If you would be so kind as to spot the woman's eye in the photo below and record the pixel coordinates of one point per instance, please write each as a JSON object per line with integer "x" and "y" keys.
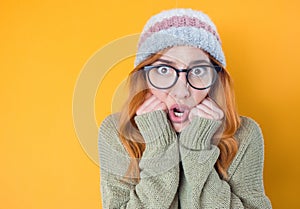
{"x": 164, "y": 70}
{"x": 198, "y": 71}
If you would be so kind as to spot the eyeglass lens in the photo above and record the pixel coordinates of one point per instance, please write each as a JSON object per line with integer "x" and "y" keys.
{"x": 165, "y": 76}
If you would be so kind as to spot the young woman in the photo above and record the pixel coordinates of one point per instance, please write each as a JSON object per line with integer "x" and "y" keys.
{"x": 179, "y": 141}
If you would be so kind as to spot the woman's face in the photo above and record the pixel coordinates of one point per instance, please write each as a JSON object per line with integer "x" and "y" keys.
{"x": 181, "y": 97}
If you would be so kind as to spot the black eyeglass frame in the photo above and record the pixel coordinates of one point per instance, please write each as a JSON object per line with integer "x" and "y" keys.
{"x": 216, "y": 68}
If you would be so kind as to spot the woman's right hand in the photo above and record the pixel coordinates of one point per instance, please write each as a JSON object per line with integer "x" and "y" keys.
{"x": 151, "y": 104}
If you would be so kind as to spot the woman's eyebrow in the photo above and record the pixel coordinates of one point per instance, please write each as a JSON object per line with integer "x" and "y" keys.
{"x": 195, "y": 62}
{"x": 165, "y": 61}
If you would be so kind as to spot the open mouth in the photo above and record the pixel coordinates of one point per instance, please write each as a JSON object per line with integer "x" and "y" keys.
{"x": 178, "y": 113}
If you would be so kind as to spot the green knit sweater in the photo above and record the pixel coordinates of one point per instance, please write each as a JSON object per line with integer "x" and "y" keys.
{"x": 177, "y": 171}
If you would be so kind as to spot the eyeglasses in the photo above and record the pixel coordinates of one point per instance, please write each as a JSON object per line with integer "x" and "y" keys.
{"x": 199, "y": 77}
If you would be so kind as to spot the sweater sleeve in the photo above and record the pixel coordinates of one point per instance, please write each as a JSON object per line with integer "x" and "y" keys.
{"x": 207, "y": 190}
{"x": 159, "y": 170}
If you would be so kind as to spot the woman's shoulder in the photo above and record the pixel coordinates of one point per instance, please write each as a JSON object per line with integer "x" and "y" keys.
{"x": 113, "y": 156}
{"x": 111, "y": 121}
{"x": 249, "y": 130}
{"x": 109, "y": 133}
{"x": 249, "y": 133}
{"x": 250, "y": 141}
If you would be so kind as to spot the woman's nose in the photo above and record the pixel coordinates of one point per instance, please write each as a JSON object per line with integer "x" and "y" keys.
{"x": 181, "y": 88}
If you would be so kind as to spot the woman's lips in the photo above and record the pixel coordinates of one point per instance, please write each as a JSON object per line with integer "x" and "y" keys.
{"x": 178, "y": 113}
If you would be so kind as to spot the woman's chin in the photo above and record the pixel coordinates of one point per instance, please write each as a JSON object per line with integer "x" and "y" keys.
{"x": 178, "y": 127}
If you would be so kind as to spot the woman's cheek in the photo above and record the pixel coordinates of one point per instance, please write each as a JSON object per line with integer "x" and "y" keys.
{"x": 160, "y": 94}
{"x": 199, "y": 95}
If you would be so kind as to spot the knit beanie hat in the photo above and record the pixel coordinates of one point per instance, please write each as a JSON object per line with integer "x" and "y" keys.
{"x": 179, "y": 27}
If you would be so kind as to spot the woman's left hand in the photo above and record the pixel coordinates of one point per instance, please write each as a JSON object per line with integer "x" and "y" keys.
{"x": 207, "y": 109}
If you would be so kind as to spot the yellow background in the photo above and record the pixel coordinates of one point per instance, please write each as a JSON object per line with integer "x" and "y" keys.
{"x": 45, "y": 44}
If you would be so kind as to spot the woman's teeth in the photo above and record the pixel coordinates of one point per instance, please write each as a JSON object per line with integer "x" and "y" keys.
{"x": 178, "y": 113}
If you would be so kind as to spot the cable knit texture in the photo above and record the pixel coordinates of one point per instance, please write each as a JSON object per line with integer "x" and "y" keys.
{"x": 178, "y": 171}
